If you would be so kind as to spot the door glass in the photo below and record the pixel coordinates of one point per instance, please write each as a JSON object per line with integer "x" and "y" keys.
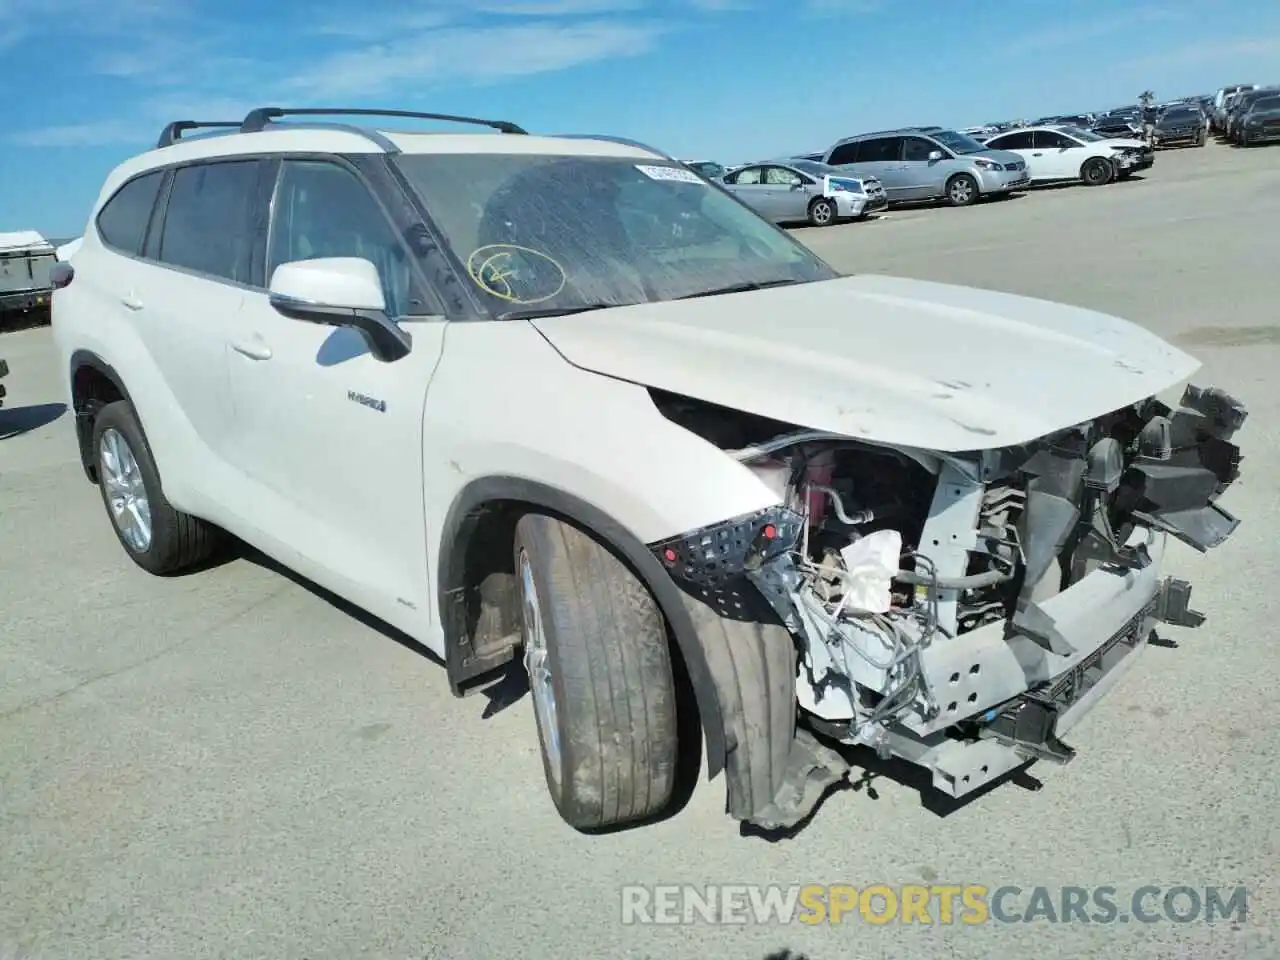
{"x": 1049, "y": 140}
{"x": 846, "y": 153}
{"x": 917, "y": 149}
{"x": 883, "y": 150}
{"x": 747, "y": 177}
{"x": 780, "y": 177}
{"x": 208, "y": 221}
{"x": 323, "y": 210}
{"x": 122, "y": 224}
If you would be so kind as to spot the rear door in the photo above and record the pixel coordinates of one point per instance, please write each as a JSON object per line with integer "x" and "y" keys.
{"x": 1021, "y": 143}
{"x": 881, "y": 157}
{"x": 202, "y": 263}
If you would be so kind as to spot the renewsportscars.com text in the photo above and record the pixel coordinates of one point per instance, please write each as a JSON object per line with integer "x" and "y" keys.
{"x": 968, "y": 904}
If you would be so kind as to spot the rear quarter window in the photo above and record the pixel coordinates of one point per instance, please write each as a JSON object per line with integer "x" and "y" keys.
{"x": 122, "y": 222}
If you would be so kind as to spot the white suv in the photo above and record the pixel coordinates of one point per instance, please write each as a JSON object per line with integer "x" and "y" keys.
{"x": 561, "y": 397}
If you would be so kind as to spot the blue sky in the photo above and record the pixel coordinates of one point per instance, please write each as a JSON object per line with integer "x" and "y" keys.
{"x": 716, "y": 79}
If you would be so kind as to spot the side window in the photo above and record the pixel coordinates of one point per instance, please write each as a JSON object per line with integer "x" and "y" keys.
{"x": 1016, "y": 141}
{"x": 748, "y": 177}
{"x": 883, "y": 150}
{"x": 1051, "y": 140}
{"x": 846, "y": 153}
{"x": 122, "y": 222}
{"x": 780, "y": 177}
{"x": 208, "y": 221}
{"x": 1000, "y": 143}
{"x": 917, "y": 149}
{"x": 323, "y": 210}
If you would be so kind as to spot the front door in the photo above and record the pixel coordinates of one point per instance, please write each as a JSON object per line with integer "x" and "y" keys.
{"x": 331, "y": 436}
{"x": 788, "y": 198}
{"x": 1057, "y": 155}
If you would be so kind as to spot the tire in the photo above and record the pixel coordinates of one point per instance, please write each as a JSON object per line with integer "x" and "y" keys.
{"x": 962, "y": 190}
{"x": 1201, "y": 138}
{"x": 822, "y": 212}
{"x": 595, "y": 639}
{"x": 1096, "y": 171}
{"x": 130, "y": 486}
{"x": 1244, "y": 140}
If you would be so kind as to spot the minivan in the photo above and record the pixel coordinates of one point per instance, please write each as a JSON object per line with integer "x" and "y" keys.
{"x": 929, "y": 163}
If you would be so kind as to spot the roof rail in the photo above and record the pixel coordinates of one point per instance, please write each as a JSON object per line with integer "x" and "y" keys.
{"x": 258, "y": 119}
{"x": 174, "y": 131}
{"x": 610, "y": 139}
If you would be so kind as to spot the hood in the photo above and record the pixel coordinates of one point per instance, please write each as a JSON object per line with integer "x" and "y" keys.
{"x": 901, "y": 362}
{"x": 999, "y": 156}
{"x": 1130, "y": 143}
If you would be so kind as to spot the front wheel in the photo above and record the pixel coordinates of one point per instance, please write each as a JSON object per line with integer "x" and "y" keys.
{"x": 600, "y": 677}
{"x": 1096, "y": 172}
{"x": 962, "y": 190}
{"x": 822, "y": 212}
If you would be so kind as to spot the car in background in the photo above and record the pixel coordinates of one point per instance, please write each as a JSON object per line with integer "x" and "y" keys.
{"x": 1240, "y": 106}
{"x": 930, "y": 163}
{"x": 1067, "y": 120}
{"x": 800, "y": 190}
{"x": 1261, "y": 124}
{"x": 1125, "y": 123}
{"x": 1180, "y": 124}
{"x": 707, "y": 168}
{"x": 1221, "y": 99}
{"x": 26, "y": 260}
{"x": 1062, "y": 153}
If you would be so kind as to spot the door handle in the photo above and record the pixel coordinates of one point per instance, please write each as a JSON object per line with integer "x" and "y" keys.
{"x": 254, "y": 351}
{"x": 1037, "y": 154}
{"x": 131, "y": 301}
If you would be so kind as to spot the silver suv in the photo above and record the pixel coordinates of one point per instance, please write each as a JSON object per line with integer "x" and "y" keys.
{"x": 929, "y": 163}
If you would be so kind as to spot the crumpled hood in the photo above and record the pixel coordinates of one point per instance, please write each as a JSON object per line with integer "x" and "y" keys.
{"x": 893, "y": 361}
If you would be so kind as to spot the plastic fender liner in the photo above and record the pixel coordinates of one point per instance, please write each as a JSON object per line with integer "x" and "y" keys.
{"x": 776, "y": 773}
{"x": 83, "y": 417}
{"x": 671, "y": 600}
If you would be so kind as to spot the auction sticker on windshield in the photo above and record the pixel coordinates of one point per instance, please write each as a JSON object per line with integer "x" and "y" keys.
{"x": 669, "y": 173}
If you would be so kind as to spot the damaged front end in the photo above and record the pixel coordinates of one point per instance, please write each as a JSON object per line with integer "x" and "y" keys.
{"x": 959, "y": 611}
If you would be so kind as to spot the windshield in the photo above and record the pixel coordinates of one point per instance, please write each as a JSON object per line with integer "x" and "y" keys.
{"x": 1266, "y": 104}
{"x": 542, "y": 234}
{"x": 1180, "y": 114}
{"x": 958, "y": 142}
{"x": 1080, "y": 133}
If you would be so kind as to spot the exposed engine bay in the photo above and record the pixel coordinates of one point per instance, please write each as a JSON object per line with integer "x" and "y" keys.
{"x": 920, "y": 586}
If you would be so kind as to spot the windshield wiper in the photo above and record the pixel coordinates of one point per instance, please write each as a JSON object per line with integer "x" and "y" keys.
{"x": 556, "y": 311}
{"x": 740, "y": 288}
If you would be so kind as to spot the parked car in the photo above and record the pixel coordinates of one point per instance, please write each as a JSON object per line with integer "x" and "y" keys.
{"x": 1261, "y": 123}
{"x": 454, "y": 389}
{"x": 1068, "y": 120}
{"x": 926, "y": 163}
{"x": 1124, "y": 124}
{"x": 26, "y": 258}
{"x": 1063, "y": 153}
{"x": 707, "y": 168}
{"x": 1180, "y": 124}
{"x": 798, "y": 191}
{"x": 1221, "y": 99}
{"x": 1240, "y": 105}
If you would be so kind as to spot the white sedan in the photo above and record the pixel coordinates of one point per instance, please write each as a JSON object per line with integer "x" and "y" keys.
{"x": 1063, "y": 153}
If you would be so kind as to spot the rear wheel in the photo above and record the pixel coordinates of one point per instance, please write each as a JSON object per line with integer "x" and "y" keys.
{"x": 158, "y": 537}
{"x": 600, "y": 676}
{"x": 822, "y": 212}
{"x": 1096, "y": 172}
{"x": 962, "y": 190}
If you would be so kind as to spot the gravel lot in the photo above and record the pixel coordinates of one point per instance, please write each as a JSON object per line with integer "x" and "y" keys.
{"x": 228, "y": 764}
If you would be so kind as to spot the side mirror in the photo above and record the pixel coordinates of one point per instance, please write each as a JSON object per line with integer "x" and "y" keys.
{"x": 340, "y": 292}
{"x": 935, "y": 155}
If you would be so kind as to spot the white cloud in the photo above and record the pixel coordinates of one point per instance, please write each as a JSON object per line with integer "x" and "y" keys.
{"x": 471, "y": 55}
{"x": 1068, "y": 33}
{"x": 1235, "y": 53}
{"x": 95, "y": 133}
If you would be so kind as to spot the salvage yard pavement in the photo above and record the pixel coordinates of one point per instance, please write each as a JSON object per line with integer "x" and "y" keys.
{"x": 228, "y": 764}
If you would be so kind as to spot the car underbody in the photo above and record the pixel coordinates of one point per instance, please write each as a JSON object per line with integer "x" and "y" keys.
{"x": 957, "y": 611}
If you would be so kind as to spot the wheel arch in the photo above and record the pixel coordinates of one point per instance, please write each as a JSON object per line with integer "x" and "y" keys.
{"x": 474, "y": 567}
{"x": 94, "y": 384}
